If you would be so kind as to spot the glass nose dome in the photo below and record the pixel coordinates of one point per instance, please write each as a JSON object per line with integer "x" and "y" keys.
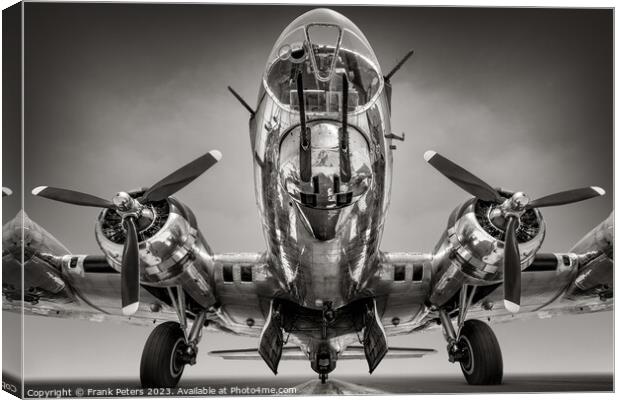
{"x": 323, "y": 46}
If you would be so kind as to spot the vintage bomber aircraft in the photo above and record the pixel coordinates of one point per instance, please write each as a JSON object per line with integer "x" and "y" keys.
{"x": 322, "y": 149}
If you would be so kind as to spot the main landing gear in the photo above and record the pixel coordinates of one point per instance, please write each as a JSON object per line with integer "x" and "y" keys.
{"x": 474, "y": 345}
{"x": 164, "y": 356}
{"x": 170, "y": 348}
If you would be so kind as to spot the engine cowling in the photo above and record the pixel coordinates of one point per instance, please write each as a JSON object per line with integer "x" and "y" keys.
{"x": 471, "y": 249}
{"x": 172, "y": 249}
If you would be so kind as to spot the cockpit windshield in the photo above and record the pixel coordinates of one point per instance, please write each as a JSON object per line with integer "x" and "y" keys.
{"x": 322, "y": 47}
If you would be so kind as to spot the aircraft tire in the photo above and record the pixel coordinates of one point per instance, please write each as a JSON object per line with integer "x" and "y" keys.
{"x": 482, "y": 361}
{"x": 161, "y": 365}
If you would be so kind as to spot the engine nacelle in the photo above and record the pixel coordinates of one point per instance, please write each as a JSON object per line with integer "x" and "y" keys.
{"x": 172, "y": 250}
{"x": 471, "y": 250}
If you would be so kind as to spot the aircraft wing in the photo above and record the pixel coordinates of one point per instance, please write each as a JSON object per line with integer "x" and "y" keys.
{"x": 62, "y": 285}
{"x": 93, "y": 293}
{"x": 580, "y": 281}
{"x": 69, "y": 291}
{"x": 96, "y": 299}
{"x": 245, "y": 285}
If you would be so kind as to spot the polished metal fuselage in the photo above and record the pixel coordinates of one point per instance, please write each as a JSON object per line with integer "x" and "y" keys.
{"x": 315, "y": 271}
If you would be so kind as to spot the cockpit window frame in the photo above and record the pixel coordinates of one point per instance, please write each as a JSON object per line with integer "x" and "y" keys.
{"x": 359, "y": 110}
{"x": 296, "y": 40}
{"x": 311, "y": 50}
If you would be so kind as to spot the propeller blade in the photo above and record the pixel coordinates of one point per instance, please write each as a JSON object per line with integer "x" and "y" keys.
{"x": 181, "y": 177}
{"x": 512, "y": 268}
{"x": 72, "y": 197}
{"x": 130, "y": 272}
{"x": 462, "y": 178}
{"x": 567, "y": 197}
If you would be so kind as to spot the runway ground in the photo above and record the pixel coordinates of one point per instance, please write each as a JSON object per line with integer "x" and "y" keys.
{"x": 511, "y": 384}
{"x": 337, "y": 384}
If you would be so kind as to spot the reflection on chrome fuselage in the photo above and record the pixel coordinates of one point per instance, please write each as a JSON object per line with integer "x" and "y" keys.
{"x": 327, "y": 189}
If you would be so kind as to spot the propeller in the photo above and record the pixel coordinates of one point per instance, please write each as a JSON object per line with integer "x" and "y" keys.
{"x": 132, "y": 211}
{"x": 508, "y": 212}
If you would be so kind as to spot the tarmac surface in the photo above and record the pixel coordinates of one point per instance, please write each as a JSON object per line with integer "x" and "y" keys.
{"x": 336, "y": 385}
{"x": 510, "y": 384}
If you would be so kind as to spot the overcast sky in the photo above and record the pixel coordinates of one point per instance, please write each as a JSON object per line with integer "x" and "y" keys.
{"x": 117, "y": 96}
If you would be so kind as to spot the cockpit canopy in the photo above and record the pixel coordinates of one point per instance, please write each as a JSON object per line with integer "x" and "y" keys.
{"x": 323, "y": 46}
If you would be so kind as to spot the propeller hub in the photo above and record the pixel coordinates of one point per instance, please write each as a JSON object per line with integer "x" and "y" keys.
{"x": 512, "y": 207}
{"x": 124, "y": 202}
{"x": 519, "y": 201}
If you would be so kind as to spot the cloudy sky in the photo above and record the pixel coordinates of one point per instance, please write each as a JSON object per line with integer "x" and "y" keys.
{"x": 117, "y": 96}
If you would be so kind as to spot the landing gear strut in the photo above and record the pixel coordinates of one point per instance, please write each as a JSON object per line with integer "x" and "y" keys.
{"x": 170, "y": 348}
{"x": 474, "y": 345}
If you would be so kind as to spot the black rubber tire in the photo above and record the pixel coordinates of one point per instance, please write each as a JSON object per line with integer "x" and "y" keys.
{"x": 158, "y": 369}
{"x": 323, "y": 378}
{"x": 483, "y": 364}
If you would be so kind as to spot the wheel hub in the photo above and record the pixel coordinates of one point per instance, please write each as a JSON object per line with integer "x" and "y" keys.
{"x": 178, "y": 358}
{"x": 464, "y": 355}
